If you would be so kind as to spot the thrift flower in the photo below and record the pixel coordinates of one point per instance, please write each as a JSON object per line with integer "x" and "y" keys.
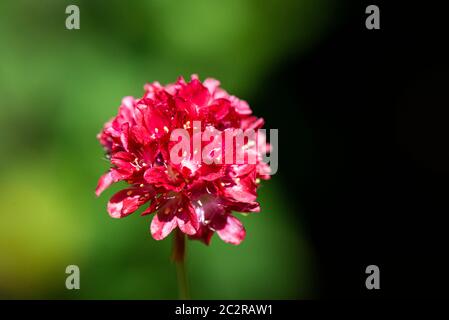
{"x": 194, "y": 195}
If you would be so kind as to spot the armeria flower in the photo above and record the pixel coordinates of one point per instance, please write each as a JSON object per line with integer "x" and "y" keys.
{"x": 197, "y": 197}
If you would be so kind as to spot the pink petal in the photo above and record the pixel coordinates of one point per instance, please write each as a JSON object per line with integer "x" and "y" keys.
{"x": 104, "y": 182}
{"x": 233, "y": 232}
{"x": 243, "y": 189}
{"x": 211, "y": 85}
{"x": 140, "y": 135}
{"x": 162, "y": 225}
{"x": 211, "y": 172}
{"x": 241, "y": 206}
{"x": 126, "y": 201}
{"x": 164, "y": 177}
{"x": 156, "y": 121}
{"x": 124, "y": 136}
{"x": 122, "y": 160}
{"x": 241, "y": 106}
{"x": 240, "y": 194}
{"x": 187, "y": 220}
{"x": 196, "y": 92}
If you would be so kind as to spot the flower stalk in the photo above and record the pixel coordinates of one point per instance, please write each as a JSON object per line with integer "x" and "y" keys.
{"x": 178, "y": 256}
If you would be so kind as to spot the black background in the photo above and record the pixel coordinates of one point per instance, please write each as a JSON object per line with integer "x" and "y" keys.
{"x": 364, "y": 148}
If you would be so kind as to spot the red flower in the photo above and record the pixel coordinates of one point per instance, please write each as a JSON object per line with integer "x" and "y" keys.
{"x": 198, "y": 196}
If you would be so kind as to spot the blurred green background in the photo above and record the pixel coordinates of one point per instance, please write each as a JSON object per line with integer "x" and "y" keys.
{"x": 57, "y": 89}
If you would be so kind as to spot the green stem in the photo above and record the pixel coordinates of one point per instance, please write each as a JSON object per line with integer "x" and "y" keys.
{"x": 179, "y": 249}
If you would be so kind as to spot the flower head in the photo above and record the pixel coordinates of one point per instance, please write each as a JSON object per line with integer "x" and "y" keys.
{"x": 191, "y": 188}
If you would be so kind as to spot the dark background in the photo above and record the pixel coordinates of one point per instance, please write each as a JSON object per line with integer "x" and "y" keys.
{"x": 372, "y": 172}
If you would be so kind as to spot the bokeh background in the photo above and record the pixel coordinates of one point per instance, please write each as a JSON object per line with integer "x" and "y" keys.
{"x": 58, "y": 87}
{"x": 363, "y": 157}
